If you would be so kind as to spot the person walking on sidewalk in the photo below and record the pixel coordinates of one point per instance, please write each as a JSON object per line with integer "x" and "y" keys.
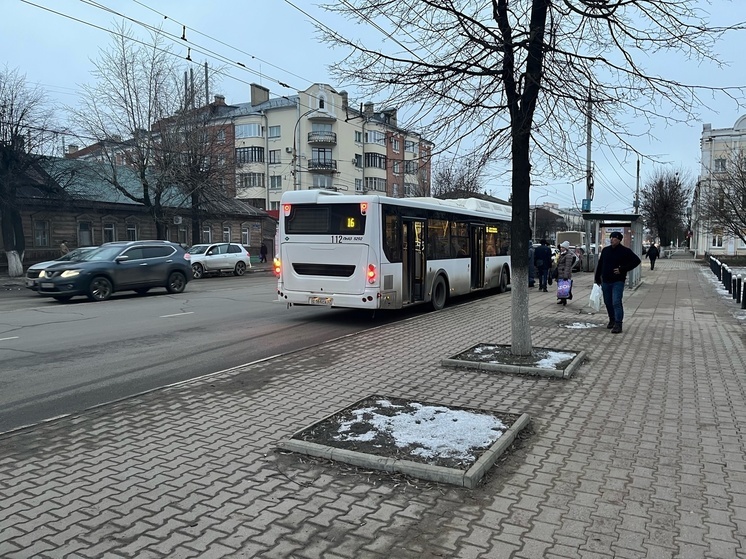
{"x": 611, "y": 274}
{"x": 543, "y": 261}
{"x": 63, "y": 248}
{"x": 564, "y": 271}
{"x": 531, "y": 281}
{"x": 263, "y": 253}
{"x": 653, "y": 253}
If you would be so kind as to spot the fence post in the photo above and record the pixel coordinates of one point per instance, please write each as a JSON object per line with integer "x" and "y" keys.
{"x": 733, "y": 286}
{"x": 739, "y": 288}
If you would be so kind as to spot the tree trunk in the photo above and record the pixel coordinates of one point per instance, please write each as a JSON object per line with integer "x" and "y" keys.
{"x": 520, "y": 231}
{"x": 15, "y": 264}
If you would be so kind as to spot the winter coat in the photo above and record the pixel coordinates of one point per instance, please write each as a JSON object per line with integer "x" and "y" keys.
{"x": 564, "y": 265}
{"x": 652, "y": 252}
{"x": 543, "y": 257}
{"x": 612, "y": 258}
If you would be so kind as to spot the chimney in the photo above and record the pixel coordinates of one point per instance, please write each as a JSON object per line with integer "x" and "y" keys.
{"x": 368, "y": 110}
{"x": 345, "y": 100}
{"x": 259, "y": 94}
{"x": 219, "y": 100}
{"x": 72, "y": 148}
{"x": 390, "y": 116}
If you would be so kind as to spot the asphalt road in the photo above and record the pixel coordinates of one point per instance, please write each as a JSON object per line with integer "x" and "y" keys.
{"x": 58, "y": 359}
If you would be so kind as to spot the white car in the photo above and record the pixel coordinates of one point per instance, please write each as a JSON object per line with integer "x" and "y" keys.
{"x": 219, "y": 257}
{"x": 32, "y": 274}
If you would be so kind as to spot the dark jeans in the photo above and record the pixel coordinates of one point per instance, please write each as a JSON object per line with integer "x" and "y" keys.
{"x": 543, "y": 276}
{"x": 613, "y": 293}
{"x": 652, "y": 263}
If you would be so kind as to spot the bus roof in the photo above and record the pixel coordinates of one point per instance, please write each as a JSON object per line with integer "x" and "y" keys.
{"x": 465, "y": 205}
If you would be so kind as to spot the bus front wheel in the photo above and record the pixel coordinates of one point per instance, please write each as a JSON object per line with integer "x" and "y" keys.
{"x": 502, "y": 287}
{"x": 439, "y": 294}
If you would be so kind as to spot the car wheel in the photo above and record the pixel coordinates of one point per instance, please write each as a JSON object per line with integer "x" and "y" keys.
{"x": 142, "y": 290}
{"x": 197, "y": 271}
{"x": 176, "y": 282}
{"x": 240, "y": 269}
{"x": 62, "y": 298}
{"x": 439, "y": 294}
{"x": 100, "y": 289}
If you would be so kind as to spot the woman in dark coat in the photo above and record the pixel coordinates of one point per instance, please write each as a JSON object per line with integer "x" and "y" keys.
{"x": 653, "y": 253}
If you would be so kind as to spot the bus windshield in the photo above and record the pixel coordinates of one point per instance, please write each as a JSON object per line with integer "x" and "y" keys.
{"x": 328, "y": 219}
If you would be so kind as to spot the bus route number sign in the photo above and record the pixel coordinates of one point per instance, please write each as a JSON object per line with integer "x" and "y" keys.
{"x": 337, "y": 239}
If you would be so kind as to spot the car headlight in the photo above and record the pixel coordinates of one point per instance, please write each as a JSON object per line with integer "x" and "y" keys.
{"x": 42, "y": 274}
{"x": 70, "y": 273}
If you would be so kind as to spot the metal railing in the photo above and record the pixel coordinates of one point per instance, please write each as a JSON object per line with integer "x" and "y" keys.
{"x": 734, "y": 283}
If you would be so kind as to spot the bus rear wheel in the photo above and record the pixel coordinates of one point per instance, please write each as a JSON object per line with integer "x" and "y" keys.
{"x": 503, "y": 285}
{"x": 439, "y": 294}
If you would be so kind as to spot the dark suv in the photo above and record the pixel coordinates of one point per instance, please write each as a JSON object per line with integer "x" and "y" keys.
{"x": 119, "y": 266}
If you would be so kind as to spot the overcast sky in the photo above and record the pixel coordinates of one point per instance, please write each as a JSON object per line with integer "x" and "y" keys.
{"x": 277, "y": 42}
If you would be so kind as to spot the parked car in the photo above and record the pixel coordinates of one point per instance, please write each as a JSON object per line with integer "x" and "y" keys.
{"x": 119, "y": 266}
{"x": 219, "y": 257}
{"x": 32, "y": 274}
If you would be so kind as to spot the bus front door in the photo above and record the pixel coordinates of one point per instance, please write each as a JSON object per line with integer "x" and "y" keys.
{"x": 477, "y": 255}
{"x": 413, "y": 260}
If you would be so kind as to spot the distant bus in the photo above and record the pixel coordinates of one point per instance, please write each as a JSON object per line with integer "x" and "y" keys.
{"x": 374, "y": 252}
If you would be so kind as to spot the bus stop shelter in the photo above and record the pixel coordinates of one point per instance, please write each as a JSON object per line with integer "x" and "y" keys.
{"x": 599, "y": 226}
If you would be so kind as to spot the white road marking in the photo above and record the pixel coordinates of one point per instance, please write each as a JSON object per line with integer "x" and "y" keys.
{"x": 11, "y": 338}
{"x": 178, "y": 314}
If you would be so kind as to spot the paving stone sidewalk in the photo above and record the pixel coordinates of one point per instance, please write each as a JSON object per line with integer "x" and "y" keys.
{"x": 640, "y": 454}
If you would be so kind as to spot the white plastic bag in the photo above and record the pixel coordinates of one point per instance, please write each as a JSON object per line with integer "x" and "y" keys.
{"x": 596, "y": 298}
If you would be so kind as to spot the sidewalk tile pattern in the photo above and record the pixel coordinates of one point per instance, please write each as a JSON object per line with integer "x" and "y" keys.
{"x": 640, "y": 454}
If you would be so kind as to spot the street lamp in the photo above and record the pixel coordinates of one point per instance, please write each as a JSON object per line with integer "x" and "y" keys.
{"x": 295, "y": 151}
{"x": 535, "y": 208}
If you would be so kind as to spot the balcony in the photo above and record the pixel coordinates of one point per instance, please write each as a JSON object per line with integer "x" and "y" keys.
{"x": 322, "y": 137}
{"x": 321, "y": 115}
{"x": 322, "y": 165}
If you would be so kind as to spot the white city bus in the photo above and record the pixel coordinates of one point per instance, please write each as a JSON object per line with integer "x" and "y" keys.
{"x": 374, "y": 252}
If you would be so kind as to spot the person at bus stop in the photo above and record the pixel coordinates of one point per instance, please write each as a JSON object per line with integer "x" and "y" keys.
{"x": 564, "y": 270}
{"x": 652, "y": 254}
{"x": 543, "y": 261}
{"x": 611, "y": 274}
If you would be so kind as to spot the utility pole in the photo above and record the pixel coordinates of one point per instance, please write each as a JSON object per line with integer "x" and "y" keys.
{"x": 637, "y": 189}
{"x": 586, "y": 207}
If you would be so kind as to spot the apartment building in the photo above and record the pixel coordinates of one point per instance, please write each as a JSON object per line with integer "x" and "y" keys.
{"x": 718, "y": 147}
{"x": 317, "y": 140}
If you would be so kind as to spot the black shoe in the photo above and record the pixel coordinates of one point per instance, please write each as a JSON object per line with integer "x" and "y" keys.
{"x": 617, "y": 329}
{"x": 564, "y": 302}
{"x": 545, "y": 290}
{"x": 611, "y": 323}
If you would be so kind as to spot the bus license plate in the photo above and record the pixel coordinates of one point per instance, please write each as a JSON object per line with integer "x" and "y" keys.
{"x": 320, "y": 300}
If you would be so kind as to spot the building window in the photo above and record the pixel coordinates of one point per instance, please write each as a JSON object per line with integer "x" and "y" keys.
{"x": 110, "y": 232}
{"x": 395, "y": 190}
{"x": 274, "y": 205}
{"x": 410, "y": 146}
{"x": 375, "y": 160}
{"x": 322, "y": 181}
{"x": 410, "y": 188}
{"x": 249, "y": 155}
{"x": 248, "y": 131}
{"x": 85, "y": 233}
{"x": 131, "y": 232}
{"x": 226, "y": 234}
{"x": 358, "y": 185}
{"x": 206, "y": 234}
{"x": 321, "y": 155}
{"x": 375, "y": 137}
{"x": 395, "y": 143}
{"x": 396, "y": 167}
{"x": 717, "y": 239}
{"x": 372, "y": 183}
{"x": 358, "y": 137}
{"x": 256, "y": 202}
{"x": 274, "y": 132}
{"x": 720, "y": 165}
{"x": 220, "y": 136}
{"x": 245, "y": 236}
{"x": 322, "y": 102}
{"x": 410, "y": 167}
{"x": 41, "y": 233}
{"x": 275, "y": 182}
{"x": 274, "y": 156}
{"x": 251, "y": 180}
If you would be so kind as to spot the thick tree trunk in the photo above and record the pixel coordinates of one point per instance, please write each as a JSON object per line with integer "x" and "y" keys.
{"x": 15, "y": 263}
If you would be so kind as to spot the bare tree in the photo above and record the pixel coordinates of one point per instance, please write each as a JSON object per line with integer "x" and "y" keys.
{"x": 520, "y": 76}
{"x": 141, "y": 114}
{"x": 665, "y": 197}
{"x": 25, "y": 121}
{"x": 722, "y": 204}
{"x": 453, "y": 176}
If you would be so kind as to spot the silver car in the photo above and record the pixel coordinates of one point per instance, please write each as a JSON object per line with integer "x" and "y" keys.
{"x": 215, "y": 258}
{"x": 32, "y": 274}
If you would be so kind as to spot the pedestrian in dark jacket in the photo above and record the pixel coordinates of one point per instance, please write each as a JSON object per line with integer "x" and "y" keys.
{"x": 543, "y": 261}
{"x": 263, "y": 253}
{"x": 611, "y": 274}
{"x": 564, "y": 270}
{"x": 653, "y": 253}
